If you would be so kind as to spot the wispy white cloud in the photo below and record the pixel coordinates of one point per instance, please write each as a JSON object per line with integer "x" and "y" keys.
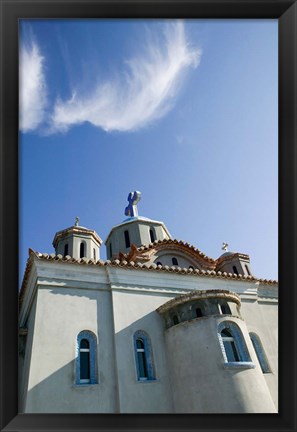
{"x": 32, "y": 89}
{"x": 145, "y": 92}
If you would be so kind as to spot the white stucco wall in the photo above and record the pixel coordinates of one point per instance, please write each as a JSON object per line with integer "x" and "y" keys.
{"x": 113, "y": 303}
{"x": 132, "y": 312}
{"x": 261, "y": 317}
{"x": 200, "y": 381}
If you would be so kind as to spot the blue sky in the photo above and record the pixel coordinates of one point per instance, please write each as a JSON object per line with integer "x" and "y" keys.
{"x": 184, "y": 111}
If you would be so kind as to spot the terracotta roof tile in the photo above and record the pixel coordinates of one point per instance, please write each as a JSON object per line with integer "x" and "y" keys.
{"x": 136, "y": 265}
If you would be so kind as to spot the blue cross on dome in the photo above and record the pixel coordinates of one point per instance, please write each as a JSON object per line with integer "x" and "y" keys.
{"x": 133, "y": 198}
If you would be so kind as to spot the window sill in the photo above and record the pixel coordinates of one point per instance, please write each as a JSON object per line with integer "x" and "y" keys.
{"x": 239, "y": 365}
{"x": 147, "y": 381}
{"x": 85, "y": 385}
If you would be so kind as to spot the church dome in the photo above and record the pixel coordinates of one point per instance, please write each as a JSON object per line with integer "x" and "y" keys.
{"x": 137, "y": 230}
{"x": 78, "y": 242}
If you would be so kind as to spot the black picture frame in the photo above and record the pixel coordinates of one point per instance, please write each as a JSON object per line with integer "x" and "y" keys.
{"x": 286, "y": 13}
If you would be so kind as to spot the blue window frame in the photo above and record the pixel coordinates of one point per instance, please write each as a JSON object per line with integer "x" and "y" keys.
{"x": 86, "y": 358}
{"x": 233, "y": 345}
{"x": 143, "y": 356}
{"x": 257, "y": 344}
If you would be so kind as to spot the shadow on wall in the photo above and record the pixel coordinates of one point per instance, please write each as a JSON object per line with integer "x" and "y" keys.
{"x": 121, "y": 387}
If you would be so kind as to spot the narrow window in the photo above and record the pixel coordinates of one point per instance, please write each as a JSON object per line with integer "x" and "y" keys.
{"x": 159, "y": 263}
{"x": 84, "y": 354}
{"x": 86, "y": 359}
{"x": 174, "y": 261}
{"x": 199, "y": 313}
{"x": 143, "y": 356}
{"x": 247, "y": 270}
{"x": 94, "y": 253}
{"x": 257, "y": 344}
{"x": 230, "y": 347}
{"x": 235, "y": 270}
{"x": 225, "y": 309}
{"x": 152, "y": 236}
{"x": 141, "y": 359}
{"x": 82, "y": 250}
{"x": 110, "y": 250}
{"x": 191, "y": 268}
{"x": 66, "y": 249}
{"x": 127, "y": 238}
{"x": 175, "y": 319}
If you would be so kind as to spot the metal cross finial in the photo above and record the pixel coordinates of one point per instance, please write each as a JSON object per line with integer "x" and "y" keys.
{"x": 225, "y": 247}
{"x": 133, "y": 198}
{"x": 76, "y": 220}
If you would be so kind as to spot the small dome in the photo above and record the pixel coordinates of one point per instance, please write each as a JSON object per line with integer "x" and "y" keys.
{"x": 225, "y": 254}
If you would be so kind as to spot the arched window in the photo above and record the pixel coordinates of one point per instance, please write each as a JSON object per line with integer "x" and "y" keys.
{"x": 86, "y": 359}
{"x": 143, "y": 356}
{"x": 174, "y": 261}
{"x": 141, "y": 359}
{"x": 152, "y": 236}
{"x": 94, "y": 253}
{"x": 199, "y": 312}
{"x": 175, "y": 319}
{"x": 66, "y": 249}
{"x": 229, "y": 346}
{"x": 159, "y": 263}
{"x": 191, "y": 268}
{"x": 247, "y": 270}
{"x": 233, "y": 345}
{"x": 260, "y": 353}
{"x": 127, "y": 238}
{"x": 82, "y": 250}
{"x": 235, "y": 270}
{"x": 225, "y": 309}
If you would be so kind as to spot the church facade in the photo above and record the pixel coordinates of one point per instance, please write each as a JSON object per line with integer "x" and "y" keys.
{"x": 158, "y": 327}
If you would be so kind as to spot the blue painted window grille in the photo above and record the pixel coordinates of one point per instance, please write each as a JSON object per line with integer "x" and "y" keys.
{"x": 86, "y": 358}
{"x": 232, "y": 343}
{"x": 257, "y": 344}
{"x": 143, "y": 356}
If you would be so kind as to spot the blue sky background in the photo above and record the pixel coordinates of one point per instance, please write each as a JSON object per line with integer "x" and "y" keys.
{"x": 184, "y": 111}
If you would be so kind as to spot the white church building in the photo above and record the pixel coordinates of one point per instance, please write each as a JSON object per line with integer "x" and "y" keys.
{"x": 158, "y": 327}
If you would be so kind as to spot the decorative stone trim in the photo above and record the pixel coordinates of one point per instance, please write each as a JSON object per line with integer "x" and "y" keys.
{"x": 132, "y": 265}
{"x": 199, "y": 295}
